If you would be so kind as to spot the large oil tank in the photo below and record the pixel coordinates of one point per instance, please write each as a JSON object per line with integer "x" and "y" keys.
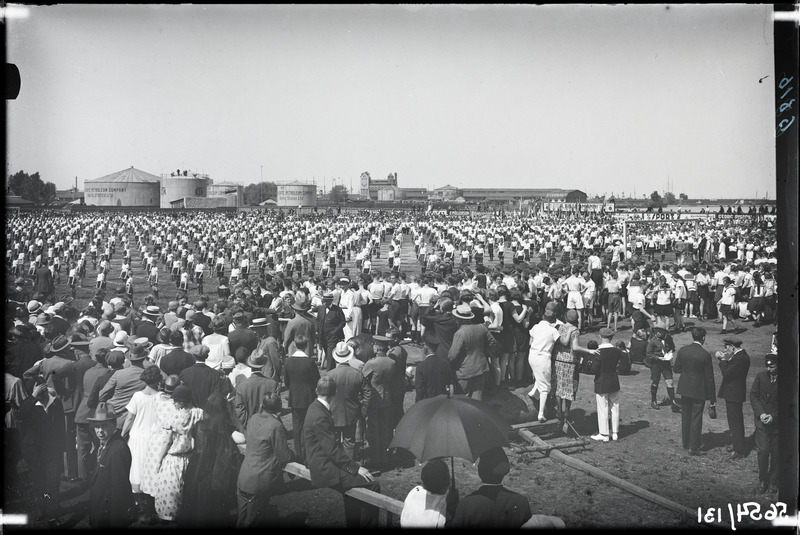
{"x": 230, "y": 190}
{"x": 129, "y": 187}
{"x": 297, "y": 194}
{"x": 186, "y": 185}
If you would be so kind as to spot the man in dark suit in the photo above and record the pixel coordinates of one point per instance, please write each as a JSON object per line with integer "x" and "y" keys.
{"x": 351, "y": 398}
{"x": 241, "y": 336}
{"x": 269, "y": 346}
{"x": 764, "y": 399}
{"x": 432, "y": 376}
{"x": 695, "y": 386}
{"x": 440, "y": 325}
{"x": 200, "y": 318}
{"x": 329, "y": 465}
{"x": 399, "y": 355}
{"x": 178, "y": 359}
{"x": 330, "y": 326}
{"x": 492, "y": 505}
{"x": 379, "y": 371}
{"x": 734, "y": 364}
{"x": 202, "y": 379}
{"x": 111, "y": 497}
{"x": 147, "y": 325}
{"x": 301, "y": 376}
{"x": 302, "y": 324}
{"x": 83, "y": 364}
{"x": 606, "y": 386}
{"x": 261, "y": 473}
{"x": 251, "y": 391}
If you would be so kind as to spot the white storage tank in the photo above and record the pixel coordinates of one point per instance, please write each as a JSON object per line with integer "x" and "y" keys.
{"x": 176, "y": 186}
{"x": 296, "y": 194}
{"x": 129, "y": 187}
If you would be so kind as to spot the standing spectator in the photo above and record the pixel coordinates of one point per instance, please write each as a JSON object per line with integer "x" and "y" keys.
{"x": 329, "y": 465}
{"x": 379, "y": 371}
{"x": 349, "y": 403}
{"x": 432, "y": 376}
{"x": 543, "y": 337}
{"x": 764, "y": 399}
{"x": 472, "y": 347}
{"x": 440, "y": 325}
{"x": 261, "y": 473}
{"x": 727, "y": 306}
{"x": 606, "y": 386}
{"x": 330, "y": 326}
{"x": 203, "y": 380}
{"x": 695, "y": 386}
{"x": 218, "y": 344}
{"x": 124, "y": 383}
{"x": 567, "y": 360}
{"x": 657, "y": 357}
{"x": 734, "y": 364}
{"x": 251, "y": 391}
{"x": 303, "y": 323}
{"x": 210, "y": 476}
{"x": 83, "y": 364}
{"x": 432, "y": 504}
{"x": 240, "y": 336}
{"x": 301, "y": 376}
{"x": 111, "y": 498}
{"x": 43, "y": 444}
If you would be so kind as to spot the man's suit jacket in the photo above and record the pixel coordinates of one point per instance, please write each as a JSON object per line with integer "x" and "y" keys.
{"x": 400, "y": 357}
{"x": 472, "y": 347}
{"x": 82, "y": 366}
{"x": 177, "y": 360}
{"x": 443, "y": 325}
{"x": 242, "y": 338}
{"x": 301, "y": 376}
{"x": 273, "y": 369}
{"x": 604, "y": 367}
{"x": 432, "y": 377}
{"x": 734, "y": 377}
{"x": 59, "y": 374}
{"x": 204, "y": 322}
{"x": 695, "y": 365}
{"x": 266, "y": 455}
{"x": 249, "y": 394}
{"x": 492, "y": 506}
{"x": 325, "y": 456}
{"x": 764, "y": 399}
{"x": 348, "y": 405}
{"x": 148, "y": 329}
{"x": 330, "y": 325}
{"x": 90, "y": 379}
{"x": 304, "y": 324}
{"x": 43, "y": 432}
{"x": 203, "y": 382}
{"x": 111, "y": 497}
{"x": 379, "y": 371}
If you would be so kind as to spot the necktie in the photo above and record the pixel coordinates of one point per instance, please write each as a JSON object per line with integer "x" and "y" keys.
{"x": 772, "y": 379}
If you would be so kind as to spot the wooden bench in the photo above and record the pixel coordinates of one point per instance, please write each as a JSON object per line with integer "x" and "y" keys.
{"x": 389, "y": 507}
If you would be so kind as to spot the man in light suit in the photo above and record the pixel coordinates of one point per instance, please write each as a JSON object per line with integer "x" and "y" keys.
{"x": 695, "y": 386}
{"x": 329, "y": 465}
{"x": 469, "y": 355}
{"x": 349, "y": 404}
{"x": 734, "y": 364}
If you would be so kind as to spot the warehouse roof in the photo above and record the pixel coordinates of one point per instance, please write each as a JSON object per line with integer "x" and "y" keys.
{"x": 130, "y": 174}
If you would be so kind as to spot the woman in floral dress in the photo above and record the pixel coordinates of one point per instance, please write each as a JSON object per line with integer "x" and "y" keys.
{"x": 173, "y": 459}
{"x": 567, "y": 364}
{"x": 163, "y": 409}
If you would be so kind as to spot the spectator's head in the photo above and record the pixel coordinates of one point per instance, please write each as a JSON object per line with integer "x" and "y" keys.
{"x": 176, "y": 338}
{"x": 151, "y": 377}
{"x": 493, "y": 466}
{"x": 698, "y": 334}
{"x": 326, "y": 388}
{"x": 592, "y": 344}
{"x": 170, "y": 383}
{"x": 301, "y": 342}
{"x": 271, "y": 403}
{"x": 201, "y": 352}
{"x": 435, "y": 477}
{"x": 116, "y": 360}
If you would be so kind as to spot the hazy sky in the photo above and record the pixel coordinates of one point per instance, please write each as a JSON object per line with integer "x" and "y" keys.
{"x": 598, "y": 98}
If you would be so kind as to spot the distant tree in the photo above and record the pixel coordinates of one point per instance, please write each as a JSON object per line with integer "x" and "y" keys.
{"x": 339, "y": 193}
{"x": 31, "y": 187}
{"x": 683, "y": 197}
{"x": 669, "y": 198}
{"x": 655, "y": 199}
{"x": 254, "y": 194}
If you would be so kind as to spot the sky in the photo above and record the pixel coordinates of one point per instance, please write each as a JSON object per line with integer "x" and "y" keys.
{"x": 605, "y": 99}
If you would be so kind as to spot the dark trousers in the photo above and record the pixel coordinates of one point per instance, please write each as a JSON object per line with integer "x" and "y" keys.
{"x": 767, "y": 447}
{"x": 736, "y": 424}
{"x": 46, "y": 479}
{"x": 87, "y": 440}
{"x": 254, "y": 510}
{"x": 379, "y": 435}
{"x": 358, "y": 514}
{"x": 691, "y": 421}
{"x": 71, "y": 452}
{"x": 298, "y": 418}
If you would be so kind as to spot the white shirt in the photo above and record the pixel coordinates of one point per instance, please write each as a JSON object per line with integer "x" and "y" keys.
{"x": 422, "y": 509}
{"x": 543, "y": 337}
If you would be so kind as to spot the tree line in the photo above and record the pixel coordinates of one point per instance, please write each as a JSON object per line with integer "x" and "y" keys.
{"x": 31, "y": 188}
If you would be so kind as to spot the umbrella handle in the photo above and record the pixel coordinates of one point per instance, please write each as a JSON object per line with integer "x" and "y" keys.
{"x": 452, "y": 473}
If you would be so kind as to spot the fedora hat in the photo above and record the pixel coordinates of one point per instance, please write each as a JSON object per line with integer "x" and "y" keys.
{"x": 257, "y": 359}
{"x": 142, "y": 341}
{"x": 259, "y": 323}
{"x": 300, "y": 303}
{"x": 34, "y": 306}
{"x": 43, "y": 319}
{"x": 152, "y": 310}
{"x": 464, "y": 312}
{"x": 79, "y": 340}
{"x": 59, "y": 344}
{"x": 343, "y": 352}
{"x": 103, "y": 413}
{"x": 19, "y": 281}
{"x": 138, "y": 352}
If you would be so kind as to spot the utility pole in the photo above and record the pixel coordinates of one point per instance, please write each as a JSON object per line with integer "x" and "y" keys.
{"x": 261, "y": 186}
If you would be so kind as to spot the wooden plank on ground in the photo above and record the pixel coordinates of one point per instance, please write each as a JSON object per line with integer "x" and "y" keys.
{"x": 617, "y": 482}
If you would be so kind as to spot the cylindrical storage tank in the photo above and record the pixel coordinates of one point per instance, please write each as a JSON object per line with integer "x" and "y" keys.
{"x": 174, "y": 187}
{"x": 129, "y": 187}
{"x": 297, "y": 194}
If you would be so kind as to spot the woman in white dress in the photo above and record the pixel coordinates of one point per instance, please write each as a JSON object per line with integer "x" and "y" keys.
{"x": 138, "y": 428}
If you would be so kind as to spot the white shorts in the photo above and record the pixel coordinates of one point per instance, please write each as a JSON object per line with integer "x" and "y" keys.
{"x": 574, "y": 300}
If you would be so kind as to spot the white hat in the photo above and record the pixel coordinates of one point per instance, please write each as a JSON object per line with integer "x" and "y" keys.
{"x": 343, "y": 352}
